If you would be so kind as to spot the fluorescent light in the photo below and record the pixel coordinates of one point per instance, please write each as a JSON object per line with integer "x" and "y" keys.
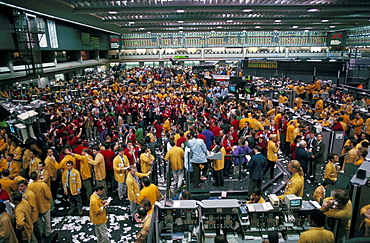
{"x": 244, "y": 30}
{"x": 312, "y": 10}
{"x": 113, "y": 12}
{"x": 131, "y": 22}
{"x": 180, "y": 11}
{"x": 325, "y": 20}
{"x": 181, "y": 31}
{"x": 258, "y": 27}
{"x": 332, "y": 26}
{"x": 180, "y": 28}
{"x": 277, "y": 20}
{"x": 149, "y": 32}
{"x": 142, "y": 28}
{"x": 213, "y": 31}
{"x": 180, "y": 21}
{"x": 229, "y": 21}
{"x": 295, "y": 26}
{"x": 247, "y": 10}
{"x": 219, "y": 27}
{"x": 306, "y": 30}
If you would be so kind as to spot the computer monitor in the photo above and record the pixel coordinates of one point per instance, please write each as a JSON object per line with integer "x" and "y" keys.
{"x": 232, "y": 88}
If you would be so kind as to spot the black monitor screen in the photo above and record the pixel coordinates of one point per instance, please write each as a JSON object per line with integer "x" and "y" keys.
{"x": 232, "y": 88}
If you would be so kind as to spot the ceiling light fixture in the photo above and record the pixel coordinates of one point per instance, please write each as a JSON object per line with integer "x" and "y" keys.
{"x": 142, "y": 28}
{"x": 312, "y": 10}
{"x": 277, "y": 20}
{"x": 325, "y": 20}
{"x": 131, "y": 22}
{"x": 295, "y": 26}
{"x": 113, "y": 12}
{"x": 247, "y": 10}
{"x": 180, "y": 28}
{"x": 258, "y": 27}
{"x": 213, "y": 31}
{"x": 181, "y": 31}
{"x": 180, "y": 21}
{"x": 229, "y": 21}
{"x": 149, "y": 32}
{"x": 180, "y": 11}
{"x": 332, "y": 26}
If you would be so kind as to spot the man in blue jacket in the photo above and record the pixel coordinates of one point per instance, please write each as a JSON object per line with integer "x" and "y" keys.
{"x": 198, "y": 155}
{"x": 256, "y": 167}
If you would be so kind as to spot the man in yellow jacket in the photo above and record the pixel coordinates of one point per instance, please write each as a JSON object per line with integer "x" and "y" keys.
{"x": 22, "y": 214}
{"x": 331, "y": 169}
{"x": 133, "y": 188}
{"x": 176, "y": 157}
{"x": 43, "y": 201}
{"x": 149, "y": 191}
{"x": 339, "y": 207}
{"x": 317, "y": 220}
{"x": 28, "y": 195}
{"x": 99, "y": 168}
{"x": 357, "y": 124}
{"x": 98, "y": 214}
{"x": 120, "y": 165}
{"x": 319, "y": 107}
{"x": 71, "y": 181}
{"x": 85, "y": 171}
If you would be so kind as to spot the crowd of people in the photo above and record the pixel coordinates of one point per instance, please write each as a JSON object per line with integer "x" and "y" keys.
{"x": 108, "y": 140}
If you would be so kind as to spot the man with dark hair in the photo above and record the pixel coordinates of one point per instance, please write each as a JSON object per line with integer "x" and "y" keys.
{"x": 339, "y": 207}
{"x": 109, "y": 156}
{"x": 317, "y": 220}
{"x": 120, "y": 165}
{"x": 42, "y": 174}
{"x": 7, "y": 184}
{"x": 145, "y": 218}
{"x": 176, "y": 157}
{"x": 33, "y": 161}
{"x": 99, "y": 168}
{"x": 22, "y": 213}
{"x": 12, "y": 166}
{"x": 147, "y": 205}
{"x": 185, "y": 195}
{"x": 85, "y": 171}
{"x": 198, "y": 156}
{"x": 149, "y": 191}
{"x": 7, "y": 234}
{"x": 318, "y": 156}
{"x": 133, "y": 188}
{"x": 31, "y": 199}
{"x": 43, "y": 201}
{"x": 256, "y": 196}
{"x": 72, "y": 184}
{"x": 331, "y": 169}
{"x": 256, "y": 166}
{"x": 319, "y": 193}
{"x": 98, "y": 214}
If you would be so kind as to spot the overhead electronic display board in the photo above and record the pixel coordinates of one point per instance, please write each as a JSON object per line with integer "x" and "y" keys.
{"x": 225, "y": 39}
{"x": 359, "y": 36}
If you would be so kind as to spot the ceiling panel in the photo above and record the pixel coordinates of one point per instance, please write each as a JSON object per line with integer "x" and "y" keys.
{"x": 140, "y": 16}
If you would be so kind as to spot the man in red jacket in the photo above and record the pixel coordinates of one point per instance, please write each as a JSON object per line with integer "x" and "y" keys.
{"x": 109, "y": 156}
